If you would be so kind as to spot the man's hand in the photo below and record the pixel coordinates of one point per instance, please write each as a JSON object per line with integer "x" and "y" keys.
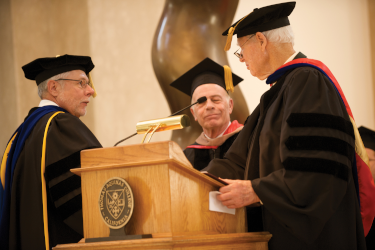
{"x": 237, "y": 194}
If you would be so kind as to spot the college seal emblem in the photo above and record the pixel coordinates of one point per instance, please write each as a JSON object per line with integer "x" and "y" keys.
{"x": 116, "y": 203}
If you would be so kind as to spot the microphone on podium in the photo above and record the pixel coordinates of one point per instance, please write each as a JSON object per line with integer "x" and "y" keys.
{"x": 200, "y": 100}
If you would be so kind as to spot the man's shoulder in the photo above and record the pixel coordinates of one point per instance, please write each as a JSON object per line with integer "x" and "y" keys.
{"x": 298, "y": 78}
{"x": 304, "y": 70}
{"x": 66, "y": 119}
{"x": 67, "y": 127}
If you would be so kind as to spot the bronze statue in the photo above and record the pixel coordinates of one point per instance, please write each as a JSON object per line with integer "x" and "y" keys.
{"x": 188, "y": 32}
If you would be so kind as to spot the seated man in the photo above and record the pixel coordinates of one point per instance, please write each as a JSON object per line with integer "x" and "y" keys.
{"x": 368, "y": 138}
{"x": 40, "y": 199}
{"x": 207, "y": 79}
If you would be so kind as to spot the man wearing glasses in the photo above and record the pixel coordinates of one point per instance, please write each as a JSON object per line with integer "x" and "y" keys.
{"x": 300, "y": 152}
{"x": 40, "y": 199}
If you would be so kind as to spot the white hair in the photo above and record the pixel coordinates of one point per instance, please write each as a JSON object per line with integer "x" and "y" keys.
{"x": 42, "y": 87}
{"x": 279, "y": 35}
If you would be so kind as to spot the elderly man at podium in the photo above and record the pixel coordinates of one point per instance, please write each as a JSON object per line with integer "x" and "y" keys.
{"x": 40, "y": 199}
{"x": 300, "y": 151}
{"x": 207, "y": 78}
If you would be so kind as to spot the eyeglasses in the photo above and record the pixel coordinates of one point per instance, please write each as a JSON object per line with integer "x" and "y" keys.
{"x": 240, "y": 55}
{"x": 82, "y": 83}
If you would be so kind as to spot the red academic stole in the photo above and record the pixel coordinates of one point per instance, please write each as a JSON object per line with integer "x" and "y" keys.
{"x": 363, "y": 180}
{"x": 232, "y": 127}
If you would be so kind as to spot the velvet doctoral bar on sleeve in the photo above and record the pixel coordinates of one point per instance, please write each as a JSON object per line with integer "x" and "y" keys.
{"x": 297, "y": 148}
{"x": 66, "y": 137}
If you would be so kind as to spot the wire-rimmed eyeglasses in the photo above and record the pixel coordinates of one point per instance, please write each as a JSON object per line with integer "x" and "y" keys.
{"x": 240, "y": 55}
{"x": 82, "y": 83}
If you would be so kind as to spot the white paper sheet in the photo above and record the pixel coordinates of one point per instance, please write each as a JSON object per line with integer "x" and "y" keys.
{"x": 216, "y": 205}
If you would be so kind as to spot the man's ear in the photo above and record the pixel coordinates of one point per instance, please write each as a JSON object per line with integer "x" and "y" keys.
{"x": 230, "y": 105}
{"x": 53, "y": 88}
{"x": 192, "y": 112}
{"x": 262, "y": 40}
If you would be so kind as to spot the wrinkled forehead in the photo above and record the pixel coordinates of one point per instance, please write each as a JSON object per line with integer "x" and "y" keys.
{"x": 209, "y": 90}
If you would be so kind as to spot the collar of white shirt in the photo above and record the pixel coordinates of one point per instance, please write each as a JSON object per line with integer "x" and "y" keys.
{"x": 291, "y": 57}
{"x": 47, "y": 103}
{"x": 220, "y": 134}
{"x": 289, "y": 60}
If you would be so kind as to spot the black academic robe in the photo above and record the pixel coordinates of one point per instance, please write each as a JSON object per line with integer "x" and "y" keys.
{"x": 370, "y": 238}
{"x": 300, "y": 170}
{"x": 67, "y": 136}
{"x": 199, "y": 157}
{"x": 203, "y": 150}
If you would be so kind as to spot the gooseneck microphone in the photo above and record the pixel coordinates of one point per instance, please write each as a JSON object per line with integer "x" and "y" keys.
{"x": 200, "y": 100}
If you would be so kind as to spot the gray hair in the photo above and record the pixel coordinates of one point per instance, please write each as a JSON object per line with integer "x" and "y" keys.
{"x": 42, "y": 87}
{"x": 279, "y": 35}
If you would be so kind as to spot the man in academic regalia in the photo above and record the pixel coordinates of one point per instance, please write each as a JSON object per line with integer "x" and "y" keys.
{"x": 368, "y": 138}
{"x": 40, "y": 199}
{"x": 299, "y": 154}
{"x": 206, "y": 79}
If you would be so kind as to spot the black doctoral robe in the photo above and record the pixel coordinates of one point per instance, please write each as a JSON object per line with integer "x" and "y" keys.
{"x": 298, "y": 146}
{"x": 203, "y": 150}
{"x": 67, "y": 136}
{"x": 200, "y": 155}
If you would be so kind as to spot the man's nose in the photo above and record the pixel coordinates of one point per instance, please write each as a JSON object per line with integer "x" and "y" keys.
{"x": 242, "y": 59}
{"x": 90, "y": 91}
{"x": 209, "y": 104}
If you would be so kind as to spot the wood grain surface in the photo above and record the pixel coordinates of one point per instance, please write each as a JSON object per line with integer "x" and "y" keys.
{"x": 171, "y": 199}
{"x": 248, "y": 241}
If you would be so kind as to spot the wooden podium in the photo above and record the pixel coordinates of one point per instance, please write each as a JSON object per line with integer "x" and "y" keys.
{"x": 170, "y": 202}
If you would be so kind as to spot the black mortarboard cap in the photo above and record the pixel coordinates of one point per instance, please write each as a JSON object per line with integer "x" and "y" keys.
{"x": 368, "y": 137}
{"x": 42, "y": 69}
{"x": 263, "y": 19}
{"x": 207, "y": 71}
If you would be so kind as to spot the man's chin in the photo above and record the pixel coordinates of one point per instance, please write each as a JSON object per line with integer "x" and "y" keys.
{"x": 212, "y": 124}
{"x": 81, "y": 113}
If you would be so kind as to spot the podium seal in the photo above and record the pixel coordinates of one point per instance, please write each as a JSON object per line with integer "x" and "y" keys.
{"x": 116, "y": 203}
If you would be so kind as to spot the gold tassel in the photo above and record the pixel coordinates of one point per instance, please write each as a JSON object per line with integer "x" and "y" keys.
{"x": 92, "y": 85}
{"x": 230, "y": 34}
{"x": 229, "y": 39}
{"x": 228, "y": 79}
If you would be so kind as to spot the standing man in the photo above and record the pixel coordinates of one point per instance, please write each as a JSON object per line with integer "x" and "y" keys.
{"x": 40, "y": 199}
{"x": 207, "y": 79}
{"x": 300, "y": 150}
{"x": 368, "y": 138}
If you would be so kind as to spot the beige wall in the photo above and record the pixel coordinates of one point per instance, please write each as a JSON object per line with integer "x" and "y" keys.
{"x": 8, "y": 94}
{"x": 121, "y": 34}
{"x": 118, "y": 35}
{"x": 335, "y": 32}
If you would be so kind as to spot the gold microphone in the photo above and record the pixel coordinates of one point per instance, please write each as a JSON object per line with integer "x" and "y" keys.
{"x": 162, "y": 124}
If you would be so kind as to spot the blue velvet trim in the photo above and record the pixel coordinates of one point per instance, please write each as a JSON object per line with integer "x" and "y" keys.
{"x": 23, "y": 133}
